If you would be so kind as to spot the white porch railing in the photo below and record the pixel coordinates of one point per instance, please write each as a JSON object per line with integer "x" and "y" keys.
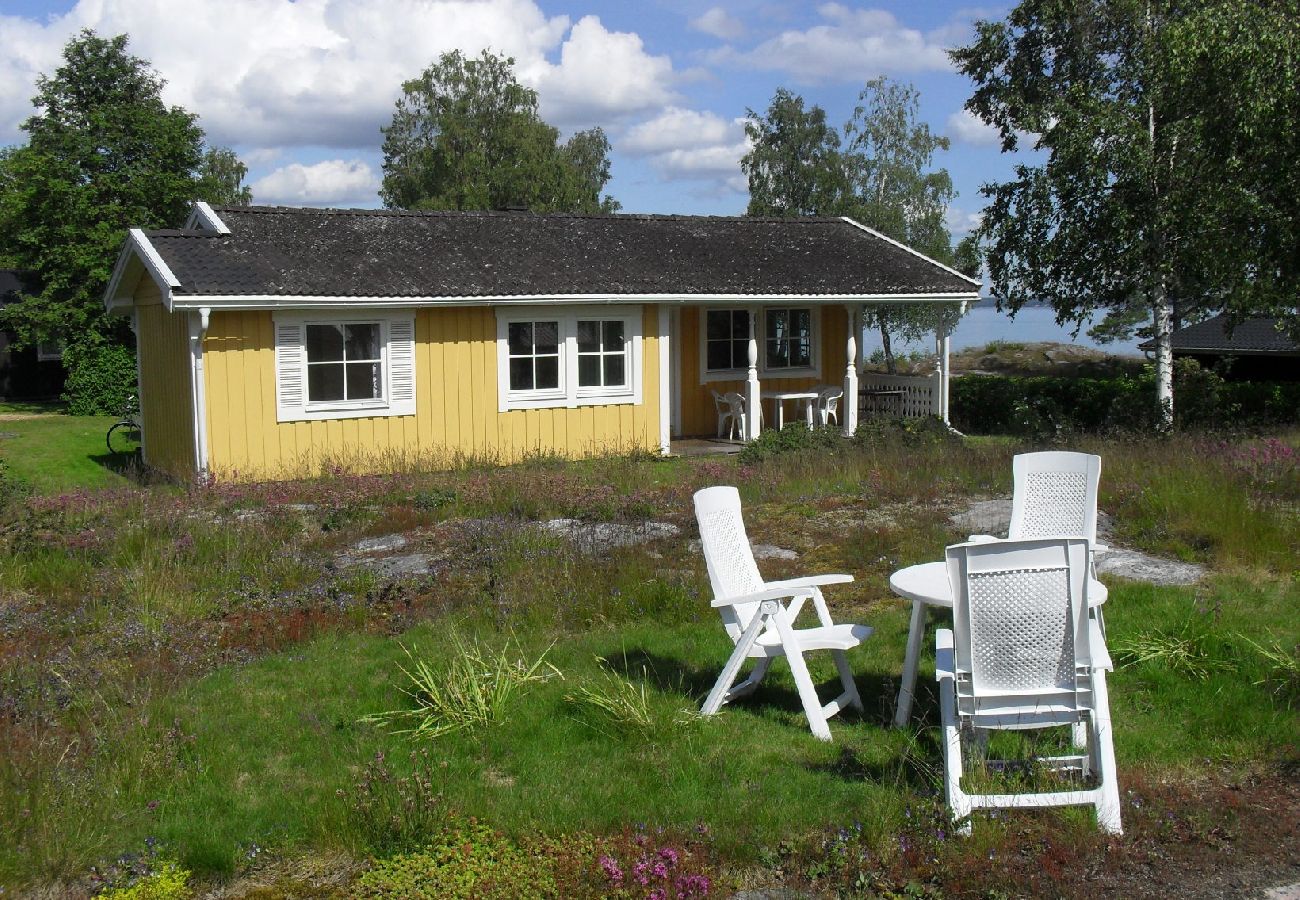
{"x": 909, "y": 396}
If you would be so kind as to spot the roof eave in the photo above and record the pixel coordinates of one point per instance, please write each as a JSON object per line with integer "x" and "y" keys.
{"x": 931, "y": 260}
{"x": 138, "y": 245}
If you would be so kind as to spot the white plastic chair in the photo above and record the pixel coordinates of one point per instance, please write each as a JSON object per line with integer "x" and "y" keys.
{"x": 761, "y": 623}
{"x": 1024, "y": 654}
{"x": 828, "y": 399}
{"x": 731, "y": 413}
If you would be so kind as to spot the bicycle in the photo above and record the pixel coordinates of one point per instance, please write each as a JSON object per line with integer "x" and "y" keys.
{"x": 123, "y": 437}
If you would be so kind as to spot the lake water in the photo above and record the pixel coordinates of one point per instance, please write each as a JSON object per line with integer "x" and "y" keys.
{"x": 1031, "y": 325}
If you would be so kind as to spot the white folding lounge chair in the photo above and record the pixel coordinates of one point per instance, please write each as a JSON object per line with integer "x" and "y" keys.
{"x": 1025, "y": 654}
{"x": 760, "y": 621}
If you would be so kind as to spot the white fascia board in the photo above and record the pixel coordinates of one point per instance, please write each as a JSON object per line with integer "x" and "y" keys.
{"x": 111, "y": 301}
{"x": 202, "y": 216}
{"x": 138, "y": 245}
{"x": 288, "y": 301}
{"x": 902, "y": 246}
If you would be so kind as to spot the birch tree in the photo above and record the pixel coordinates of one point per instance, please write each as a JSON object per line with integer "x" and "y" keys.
{"x": 1145, "y": 199}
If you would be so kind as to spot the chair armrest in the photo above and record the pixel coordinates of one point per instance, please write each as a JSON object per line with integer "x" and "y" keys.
{"x": 982, "y": 539}
{"x": 768, "y": 593}
{"x": 812, "y": 581}
{"x": 944, "y": 661}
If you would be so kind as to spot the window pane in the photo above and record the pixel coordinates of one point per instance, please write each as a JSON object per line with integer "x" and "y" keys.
{"x": 801, "y": 353}
{"x": 740, "y": 323}
{"x": 588, "y": 336}
{"x": 325, "y": 343}
{"x": 546, "y": 337}
{"x": 613, "y": 333}
{"x": 778, "y": 354}
{"x": 778, "y": 323}
{"x": 548, "y": 372}
{"x": 519, "y": 337}
{"x": 362, "y": 341}
{"x": 363, "y": 381}
{"x": 719, "y": 355}
{"x": 521, "y": 374}
{"x": 740, "y": 354}
{"x": 719, "y": 324}
{"x": 614, "y": 371}
{"x": 589, "y": 371}
{"x": 325, "y": 382}
{"x": 801, "y": 322}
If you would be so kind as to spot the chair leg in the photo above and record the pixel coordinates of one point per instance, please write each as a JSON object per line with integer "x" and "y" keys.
{"x": 846, "y": 678}
{"x": 1108, "y": 813}
{"x": 958, "y": 802}
{"x": 756, "y": 676}
{"x": 812, "y": 706}
{"x": 727, "y": 677}
{"x": 915, "y": 633}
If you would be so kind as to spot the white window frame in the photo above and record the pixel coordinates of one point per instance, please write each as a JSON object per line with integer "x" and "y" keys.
{"x": 569, "y": 394}
{"x": 397, "y": 363}
{"x": 708, "y": 375}
{"x": 47, "y": 351}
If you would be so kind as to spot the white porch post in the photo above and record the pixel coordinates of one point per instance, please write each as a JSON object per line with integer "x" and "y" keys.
{"x": 665, "y": 377}
{"x": 945, "y": 368}
{"x": 753, "y": 412}
{"x": 849, "y": 415}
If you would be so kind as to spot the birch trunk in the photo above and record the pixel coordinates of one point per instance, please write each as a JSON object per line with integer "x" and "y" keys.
{"x": 1162, "y": 319}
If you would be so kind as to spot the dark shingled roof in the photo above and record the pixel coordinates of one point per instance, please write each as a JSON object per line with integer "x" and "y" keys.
{"x": 1257, "y": 335}
{"x": 385, "y": 253}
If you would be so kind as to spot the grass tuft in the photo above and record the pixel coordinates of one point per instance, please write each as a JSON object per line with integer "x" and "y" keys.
{"x": 474, "y": 690}
{"x": 613, "y": 705}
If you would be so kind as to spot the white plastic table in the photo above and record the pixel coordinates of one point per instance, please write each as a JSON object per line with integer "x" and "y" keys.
{"x": 927, "y": 585}
{"x": 778, "y": 399}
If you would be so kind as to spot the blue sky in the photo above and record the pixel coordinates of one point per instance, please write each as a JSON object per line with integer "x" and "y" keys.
{"x": 301, "y": 89}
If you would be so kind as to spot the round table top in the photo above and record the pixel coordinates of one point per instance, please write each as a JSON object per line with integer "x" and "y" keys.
{"x": 928, "y": 583}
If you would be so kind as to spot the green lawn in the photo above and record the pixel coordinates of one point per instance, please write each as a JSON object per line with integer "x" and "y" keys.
{"x": 194, "y": 668}
{"x": 53, "y": 453}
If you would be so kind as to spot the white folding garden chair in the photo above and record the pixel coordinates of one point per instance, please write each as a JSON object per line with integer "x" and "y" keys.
{"x": 1024, "y": 654}
{"x": 760, "y": 622}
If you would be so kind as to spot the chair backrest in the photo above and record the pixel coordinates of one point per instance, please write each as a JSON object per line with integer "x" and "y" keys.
{"x": 1020, "y": 618}
{"x": 732, "y": 570}
{"x": 1055, "y": 493}
{"x": 718, "y": 400}
{"x": 829, "y": 395}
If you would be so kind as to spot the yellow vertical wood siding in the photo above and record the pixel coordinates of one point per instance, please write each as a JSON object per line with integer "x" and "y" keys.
{"x": 699, "y": 415}
{"x": 456, "y": 406}
{"x": 166, "y": 399}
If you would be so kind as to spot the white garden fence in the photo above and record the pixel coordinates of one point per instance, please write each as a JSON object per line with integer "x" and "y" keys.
{"x": 910, "y": 396}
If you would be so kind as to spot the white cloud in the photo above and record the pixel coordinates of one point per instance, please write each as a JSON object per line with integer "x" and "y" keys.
{"x": 677, "y": 128}
{"x": 333, "y": 182}
{"x": 960, "y": 222}
{"x": 686, "y": 144}
{"x": 965, "y": 128}
{"x": 853, "y": 45}
{"x": 275, "y": 73}
{"x": 603, "y": 74}
{"x": 719, "y": 23}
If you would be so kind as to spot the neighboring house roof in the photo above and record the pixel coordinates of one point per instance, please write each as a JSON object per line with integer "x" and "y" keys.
{"x": 1249, "y": 336}
{"x": 386, "y": 254}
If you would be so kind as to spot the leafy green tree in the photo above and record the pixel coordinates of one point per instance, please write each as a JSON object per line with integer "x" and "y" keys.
{"x": 794, "y": 165}
{"x": 881, "y": 175}
{"x": 103, "y": 154}
{"x": 898, "y": 192}
{"x": 221, "y": 178}
{"x": 467, "y": 135}
{"x": 1169, "y": 134}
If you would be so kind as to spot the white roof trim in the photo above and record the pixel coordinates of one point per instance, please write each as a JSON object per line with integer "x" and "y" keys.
{"x": 901, "y": 246}
{"x": 138, "y": 245}
{"x": 295, "y": 301}
{"x": 202, "y": 216}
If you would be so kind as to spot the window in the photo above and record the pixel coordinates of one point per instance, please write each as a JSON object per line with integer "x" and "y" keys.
{"x": 49, "y": 350}
{"x": 726, "y": 339}
{"x": 787, "y": 338}
{"x": 570, "y": 357}
{"x": 339, "y": 366}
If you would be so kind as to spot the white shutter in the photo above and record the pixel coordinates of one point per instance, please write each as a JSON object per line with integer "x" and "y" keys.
{"x": 401, "y": 366}
{"x": 290, "y": 371}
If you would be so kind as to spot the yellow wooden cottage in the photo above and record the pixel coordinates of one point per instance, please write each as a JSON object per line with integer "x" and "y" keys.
{"x": 274, "y": 342}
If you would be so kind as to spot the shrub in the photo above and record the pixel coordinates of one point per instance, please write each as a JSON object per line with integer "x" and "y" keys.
{"x": 794, "y": 438}
{"x": 166, "y": 882}
{"x": 468, "y": 861}
{"x": 101, "y": 378}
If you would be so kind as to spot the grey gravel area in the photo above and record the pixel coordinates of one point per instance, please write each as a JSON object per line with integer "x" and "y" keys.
{"x": 994, "y": 517}
{"x": 760, "y": 551}
{"x": 597, "y": 536}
